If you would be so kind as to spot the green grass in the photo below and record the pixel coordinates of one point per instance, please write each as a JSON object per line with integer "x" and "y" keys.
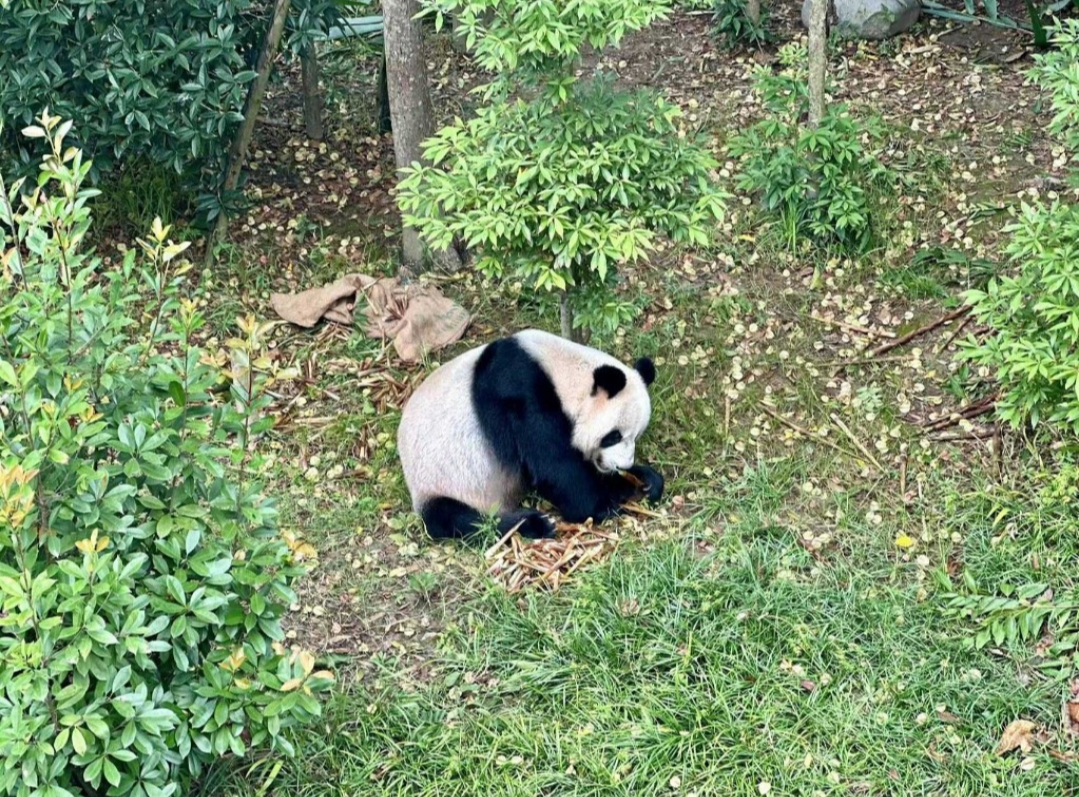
{"x": 709, "y": 664}
{"x": 132, "y": 197}
{"x": 677, "y": 671}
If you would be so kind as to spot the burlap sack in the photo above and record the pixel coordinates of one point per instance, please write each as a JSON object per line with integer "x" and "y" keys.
{"x": 417, "y": 317}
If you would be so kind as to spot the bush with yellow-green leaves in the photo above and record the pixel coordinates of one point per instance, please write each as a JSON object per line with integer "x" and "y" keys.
{"x": 142, "y": 578}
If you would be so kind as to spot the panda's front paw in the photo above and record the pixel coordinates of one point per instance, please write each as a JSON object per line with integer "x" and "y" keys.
{"x": 529, "y": 523}
{"x": 652, "y": 481}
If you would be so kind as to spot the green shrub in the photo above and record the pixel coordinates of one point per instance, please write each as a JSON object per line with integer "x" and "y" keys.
{"x": 821, "y": 183}
{"x": 1058, "y": 72}
{"x": 142, "y": 580}
{"x": 736, "y": 28}
{"x": 162, "y": 80}
{"x": 1034, "y": 350}
{"x": 562, "y": 186}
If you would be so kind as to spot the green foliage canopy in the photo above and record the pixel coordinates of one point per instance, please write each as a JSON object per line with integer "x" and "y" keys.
{"x": 1035, "y": 313}
{"x": 570, "y": 178}
{"x": 161, "y": 80}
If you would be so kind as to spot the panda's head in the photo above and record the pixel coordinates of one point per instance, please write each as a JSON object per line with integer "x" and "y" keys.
{"x": 615, "y": 415}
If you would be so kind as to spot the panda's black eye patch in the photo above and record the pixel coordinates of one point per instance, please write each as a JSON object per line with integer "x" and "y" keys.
{"x": 611, "y": 439}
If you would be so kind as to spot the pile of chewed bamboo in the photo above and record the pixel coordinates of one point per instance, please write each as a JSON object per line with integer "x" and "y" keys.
{"x": 519, "y": 563}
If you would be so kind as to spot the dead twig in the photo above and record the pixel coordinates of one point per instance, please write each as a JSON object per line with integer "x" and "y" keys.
{"x": 958, "y": 331}
{"x": 636, "y": 509}
{"x": 805, "y": 432}
{"x": 857, "y": 443}
{"x": 892, "y": 344}
{"x": 968, "y": 413}
{"x": 490, "y": 552}
{"x": 978, "y": 433}
{"x": 550, "y": 562}
{"x": 875, "y": 333}
{"x": 839, "y": 365}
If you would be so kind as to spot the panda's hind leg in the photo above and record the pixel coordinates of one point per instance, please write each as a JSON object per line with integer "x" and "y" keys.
{"x": 447, "y": 518}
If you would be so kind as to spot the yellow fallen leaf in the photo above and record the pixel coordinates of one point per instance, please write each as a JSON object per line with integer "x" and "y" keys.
{"x": 1017, "y": 735}
{"x": 300, "y": 550}
{"x": 904, "y": 541}
{"x": 290, "y": 684}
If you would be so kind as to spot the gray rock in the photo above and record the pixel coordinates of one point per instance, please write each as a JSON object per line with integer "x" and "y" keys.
{"x": 871, "y": 19}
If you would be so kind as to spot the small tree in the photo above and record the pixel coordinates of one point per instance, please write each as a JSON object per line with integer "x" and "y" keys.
{"x": 822, "y": 178}
{"x": 1034, "y": 314}
{"x": 569, "y": 179}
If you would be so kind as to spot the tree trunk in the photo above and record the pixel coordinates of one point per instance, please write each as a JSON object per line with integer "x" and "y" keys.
{"x": 818, "y": 59}
{"x": 566, "y": 316}
{"x": 410, "y": 110}
{"x": 753, "y": 11}
{"x": 252, "y": 105}
{"x": 312, "y": 98}
{"x": 565, "y": 313}
{"x": 383, "y": 99}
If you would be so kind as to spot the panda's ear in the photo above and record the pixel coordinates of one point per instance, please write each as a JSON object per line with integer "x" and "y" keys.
{"x": 647, "y": 369}
{"x": 609, "y": 379}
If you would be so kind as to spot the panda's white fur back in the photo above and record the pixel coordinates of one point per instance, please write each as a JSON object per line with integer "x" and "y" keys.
{"x": 442, "y": 448}
{"x": 441, "y": 443}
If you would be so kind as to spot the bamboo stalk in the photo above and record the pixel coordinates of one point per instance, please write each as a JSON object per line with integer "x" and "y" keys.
{"x": 857, "y": 443}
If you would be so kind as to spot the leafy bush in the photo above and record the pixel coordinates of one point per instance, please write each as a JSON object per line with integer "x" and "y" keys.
{"x": 164, "y": 80}
{"x": 737, "y": 28}
{"x": 1035, "y": 314}
{"x": 822, "y": 183}
{"x": 563, "y": 185}
{"x": 1058, "y": 72}
{"x": 142, "y": 581}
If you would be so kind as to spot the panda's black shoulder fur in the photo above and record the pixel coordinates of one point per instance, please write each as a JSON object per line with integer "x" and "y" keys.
{"x": 523, "y": 421}
{"x": 513, "y": 396}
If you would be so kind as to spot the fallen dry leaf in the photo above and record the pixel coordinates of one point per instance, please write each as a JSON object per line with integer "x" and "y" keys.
{"x": 1071, "y": 711}
{"x": 1017, "y": 735}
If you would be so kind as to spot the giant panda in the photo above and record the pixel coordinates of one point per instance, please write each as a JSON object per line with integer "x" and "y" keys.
{"x": 529, "y": 412}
